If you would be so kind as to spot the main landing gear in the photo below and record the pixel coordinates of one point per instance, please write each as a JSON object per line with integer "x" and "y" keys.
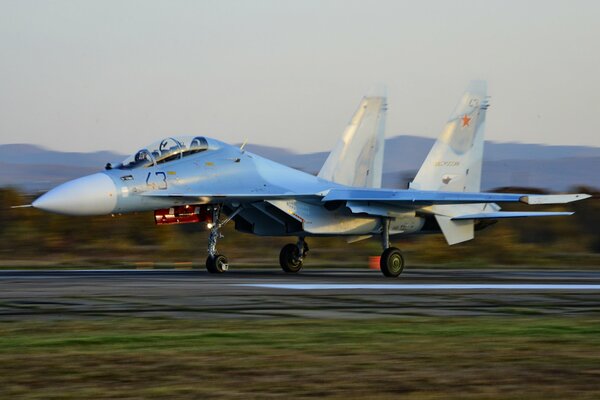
{"x": 292, "y": 255}
{"x": 217, "y": 263}
{"x": 391, "y": 262}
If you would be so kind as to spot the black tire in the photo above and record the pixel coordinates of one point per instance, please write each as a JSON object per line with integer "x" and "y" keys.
{"x": 392, "y": 262}
{"x": 289, "y": 258}
{"x": 217, "y": 264}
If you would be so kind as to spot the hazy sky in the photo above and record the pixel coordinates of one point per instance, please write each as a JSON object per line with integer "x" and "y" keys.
{"x": 92, "y": 75}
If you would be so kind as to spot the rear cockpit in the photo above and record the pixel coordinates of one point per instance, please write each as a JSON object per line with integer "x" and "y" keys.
{"x": 166, "y": 150}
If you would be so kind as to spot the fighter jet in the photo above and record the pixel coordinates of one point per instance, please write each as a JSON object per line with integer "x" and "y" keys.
{"x": 197, "y": 179}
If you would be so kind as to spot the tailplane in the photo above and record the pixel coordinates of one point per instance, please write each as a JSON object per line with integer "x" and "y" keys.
{"x": 357, "y": 159}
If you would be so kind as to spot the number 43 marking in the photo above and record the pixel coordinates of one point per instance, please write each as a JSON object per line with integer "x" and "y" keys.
{"x": 158, "y": 180}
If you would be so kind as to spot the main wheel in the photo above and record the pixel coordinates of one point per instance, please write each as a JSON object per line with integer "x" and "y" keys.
{"x": 217, "y": 264}
{"x": 289, "y": 258}
{"x": 392, "y": 262}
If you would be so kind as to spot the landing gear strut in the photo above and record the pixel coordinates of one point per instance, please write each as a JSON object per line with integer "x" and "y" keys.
{"x": 391, "y": 262}
{"x": 217, "y": 263}
{"x": 292, "y": 255}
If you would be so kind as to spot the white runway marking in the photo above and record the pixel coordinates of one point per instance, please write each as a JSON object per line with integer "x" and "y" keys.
{"x": 417, "y": 286}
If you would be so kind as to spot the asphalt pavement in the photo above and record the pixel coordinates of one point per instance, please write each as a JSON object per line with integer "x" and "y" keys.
{"x": 314, "y": 293}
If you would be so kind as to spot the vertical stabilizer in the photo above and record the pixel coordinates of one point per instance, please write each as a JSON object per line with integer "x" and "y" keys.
{"x": 357, "y": 159}
{"x": 455, "y": 160}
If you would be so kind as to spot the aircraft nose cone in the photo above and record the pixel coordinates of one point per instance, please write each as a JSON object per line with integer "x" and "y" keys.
{"x": 91, "y": 195}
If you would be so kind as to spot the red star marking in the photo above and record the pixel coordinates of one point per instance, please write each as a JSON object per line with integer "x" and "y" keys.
{"x": 465, "y": 121}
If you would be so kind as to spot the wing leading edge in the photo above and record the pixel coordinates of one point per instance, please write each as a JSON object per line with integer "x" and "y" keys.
{"x": 229, "y": 197}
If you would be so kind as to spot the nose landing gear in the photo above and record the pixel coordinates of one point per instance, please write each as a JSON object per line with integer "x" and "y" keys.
{"x": 217, "y": 263}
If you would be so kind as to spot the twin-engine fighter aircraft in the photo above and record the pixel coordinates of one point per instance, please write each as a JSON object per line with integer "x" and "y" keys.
{"x": 198, "y": 179}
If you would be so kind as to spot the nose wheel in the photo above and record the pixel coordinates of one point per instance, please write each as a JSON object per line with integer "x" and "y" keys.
{"x": 217, "y": 264}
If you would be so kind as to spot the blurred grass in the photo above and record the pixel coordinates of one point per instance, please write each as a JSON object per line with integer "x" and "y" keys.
{"x": 414, "y": 358}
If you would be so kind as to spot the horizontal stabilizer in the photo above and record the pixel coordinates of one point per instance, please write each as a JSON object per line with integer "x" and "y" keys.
{"x": 509, "y": 214}
{"x": 553, "y": 198}
{"x": 431, "y": 197}
{"x": 419, "y": 197}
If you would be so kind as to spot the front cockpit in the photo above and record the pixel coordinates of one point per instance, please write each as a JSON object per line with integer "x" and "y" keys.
{"x": 165, "y": 150}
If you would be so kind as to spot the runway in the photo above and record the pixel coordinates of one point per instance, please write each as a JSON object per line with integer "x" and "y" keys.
{"x": 315, "y": 293}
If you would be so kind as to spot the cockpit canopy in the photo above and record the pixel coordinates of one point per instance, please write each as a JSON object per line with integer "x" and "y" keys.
{"x": 165, "y": 150}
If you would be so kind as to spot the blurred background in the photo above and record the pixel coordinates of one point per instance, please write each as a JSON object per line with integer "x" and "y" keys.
{"x": 30, "y": 238}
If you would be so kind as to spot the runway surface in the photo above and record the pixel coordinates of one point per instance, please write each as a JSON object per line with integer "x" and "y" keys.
{"x": 315, "y": 293}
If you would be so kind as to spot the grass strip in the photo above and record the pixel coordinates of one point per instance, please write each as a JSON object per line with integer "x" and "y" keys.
{"x": 415, "y": 358}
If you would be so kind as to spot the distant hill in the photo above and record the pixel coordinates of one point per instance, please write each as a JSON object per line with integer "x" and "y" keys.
{"x": 560, "y": 174}
{"x": 32, "y": 154}
{"x": 39, "y": 177}
{"x": 34, "y": 168}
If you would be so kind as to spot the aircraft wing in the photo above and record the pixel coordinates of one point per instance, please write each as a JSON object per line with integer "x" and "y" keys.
{"x": 427, "y": 197}
{"x": 389, "y": 196}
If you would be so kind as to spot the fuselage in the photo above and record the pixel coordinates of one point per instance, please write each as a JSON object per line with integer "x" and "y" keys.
{"x": 220, "y": 173}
